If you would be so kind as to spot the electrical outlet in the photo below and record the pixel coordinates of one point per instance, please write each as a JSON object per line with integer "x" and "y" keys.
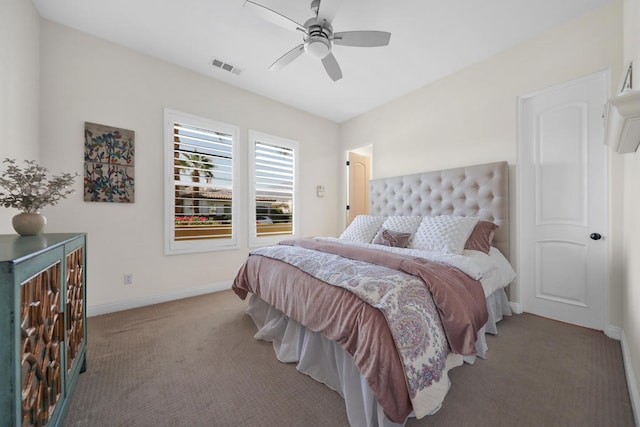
{"x": 127, "y": 279}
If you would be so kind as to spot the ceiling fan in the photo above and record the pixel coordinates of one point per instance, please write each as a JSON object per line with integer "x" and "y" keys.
{"x": 318, "y": 38}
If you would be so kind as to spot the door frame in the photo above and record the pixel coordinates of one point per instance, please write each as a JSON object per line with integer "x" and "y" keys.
{"x": 365, "y": 150}
{"x": 520, "y": 137}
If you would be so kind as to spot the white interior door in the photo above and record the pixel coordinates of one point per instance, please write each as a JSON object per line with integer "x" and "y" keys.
{"x": 563, "y": 201}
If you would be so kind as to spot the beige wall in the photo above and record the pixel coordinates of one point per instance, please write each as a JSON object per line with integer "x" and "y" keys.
{"x": 631, "y": 254}
{"x": 630, "y": 260}
{"x": 470, "y": 117}
{"x": 87, "y": 79}
{"x": 19, "y": 88}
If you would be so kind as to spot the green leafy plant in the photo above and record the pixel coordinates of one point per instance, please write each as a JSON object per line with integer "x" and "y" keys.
{"x": 29, "y": 189}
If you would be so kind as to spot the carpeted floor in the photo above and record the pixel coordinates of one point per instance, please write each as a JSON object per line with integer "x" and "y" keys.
{"x": 194, "y": 362}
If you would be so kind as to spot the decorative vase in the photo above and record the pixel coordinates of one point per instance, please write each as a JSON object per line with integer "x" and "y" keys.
{"x": 29, "y": 223}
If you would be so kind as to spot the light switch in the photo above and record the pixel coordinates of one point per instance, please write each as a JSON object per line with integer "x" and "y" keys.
{"x": 320, "y": 190}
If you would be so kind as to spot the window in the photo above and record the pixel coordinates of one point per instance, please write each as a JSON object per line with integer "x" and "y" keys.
{"x": 272, "y": 168}
{"x": 200, "y": 196}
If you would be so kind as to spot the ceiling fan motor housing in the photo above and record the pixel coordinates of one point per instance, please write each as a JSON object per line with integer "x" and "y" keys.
{"x": 317, "y": 43}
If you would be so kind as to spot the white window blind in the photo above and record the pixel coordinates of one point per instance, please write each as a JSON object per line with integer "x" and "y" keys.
{"x": 274, "y": 179}
{"x": 202, "y": 182}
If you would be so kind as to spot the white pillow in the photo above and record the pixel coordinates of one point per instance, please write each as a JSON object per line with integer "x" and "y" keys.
{"x": 402, "y": 224}
{"x": 363, "y": 228}
{"x": 399, "y": 224}
{"x": 444, "y": 233}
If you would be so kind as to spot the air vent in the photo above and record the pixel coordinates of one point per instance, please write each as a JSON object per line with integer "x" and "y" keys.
{"x": 218, "y": 63}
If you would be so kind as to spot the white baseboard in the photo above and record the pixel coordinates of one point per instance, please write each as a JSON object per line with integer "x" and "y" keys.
{"x": 515, "y": 307}
{"x": 632, "y": 384}
{"x": 614, "y": 332}
{"x": 97, "y": 310}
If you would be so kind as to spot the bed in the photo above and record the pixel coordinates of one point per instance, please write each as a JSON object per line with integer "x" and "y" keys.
{"x": 406, "y": 293}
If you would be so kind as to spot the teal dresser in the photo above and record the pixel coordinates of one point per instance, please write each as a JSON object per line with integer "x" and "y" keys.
{"x": 43, "y": 335}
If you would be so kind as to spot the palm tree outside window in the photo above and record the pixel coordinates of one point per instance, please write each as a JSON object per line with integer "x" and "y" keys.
{"x": 200, "y": 202}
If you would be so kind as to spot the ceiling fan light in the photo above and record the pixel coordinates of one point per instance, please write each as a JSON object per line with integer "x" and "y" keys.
{"x": 318, "y": 47}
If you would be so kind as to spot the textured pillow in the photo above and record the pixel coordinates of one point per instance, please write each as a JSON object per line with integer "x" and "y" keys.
{"x": 391, "y": 238}
{"x": 481, "y": 237}
{"x": 363, "y": 228}
{"x": 401, "y": 223}
{"x": 444, "y": 233}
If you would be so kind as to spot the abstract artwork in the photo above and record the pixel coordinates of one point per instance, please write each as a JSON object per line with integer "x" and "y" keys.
{"x": 108, "y": 164}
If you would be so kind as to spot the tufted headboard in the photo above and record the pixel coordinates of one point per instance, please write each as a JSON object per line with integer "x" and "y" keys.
{"x": 480, "y": 191}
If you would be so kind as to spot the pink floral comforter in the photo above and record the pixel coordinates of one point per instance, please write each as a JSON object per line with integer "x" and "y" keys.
{"x": 431, "y": 310}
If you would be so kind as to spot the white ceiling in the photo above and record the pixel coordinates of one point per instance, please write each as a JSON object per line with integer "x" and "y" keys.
{"x": 429, "y": 40}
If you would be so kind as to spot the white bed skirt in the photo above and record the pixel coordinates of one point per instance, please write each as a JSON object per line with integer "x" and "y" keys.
{"x": 328, "y": 362}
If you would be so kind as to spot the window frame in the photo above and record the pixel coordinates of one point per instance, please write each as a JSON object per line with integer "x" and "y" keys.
{"x": 253, "y": 136}
{"x": 172, "y": 246}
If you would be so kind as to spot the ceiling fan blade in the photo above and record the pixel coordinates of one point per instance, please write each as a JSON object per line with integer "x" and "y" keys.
{"x": 287, "y": 58}
{"x": 362, "y": 38}
{"x": 274, "y": 17}
{"x": 328, "y": 9}
{"x": 332, "y": 67}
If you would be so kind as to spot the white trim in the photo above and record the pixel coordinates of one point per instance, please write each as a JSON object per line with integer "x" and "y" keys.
{"x": 171, "y": 246}
{"x": 613, "y": 332}
{"x": 97, "y": 310}
{"x": 253, "y": 136}
{"x": 515, "y": 307}
{"x": 632, "y": 384}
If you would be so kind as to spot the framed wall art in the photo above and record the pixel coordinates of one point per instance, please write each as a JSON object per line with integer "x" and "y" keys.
{"x": 109, "y": 164}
